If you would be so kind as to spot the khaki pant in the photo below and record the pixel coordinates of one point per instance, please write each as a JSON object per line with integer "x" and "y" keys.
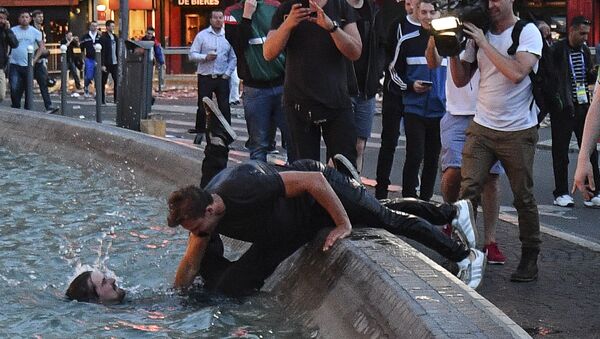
{"x": 515, "y": 151}
{"x": 2, "y": 85}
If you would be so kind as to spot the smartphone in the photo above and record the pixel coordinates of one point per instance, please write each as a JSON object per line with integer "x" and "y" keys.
{"x": 305, "y": 3}
{"x": 426, "y": 83}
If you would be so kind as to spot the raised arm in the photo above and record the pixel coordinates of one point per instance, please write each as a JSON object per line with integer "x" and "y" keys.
{"x": 277, "y": 39}
{"x": 514, "y": 69}
{"x": 189, "y": 266}
{"x": 431, "y": 54}
{"x": 315, "y": 184}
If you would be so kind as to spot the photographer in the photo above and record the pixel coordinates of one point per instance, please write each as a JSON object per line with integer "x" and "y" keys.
{"x": 316, "y": 97}
{"x": 72, "y": 42}
{"x": 7, "y": 40}
{"x": 504, "y": 126}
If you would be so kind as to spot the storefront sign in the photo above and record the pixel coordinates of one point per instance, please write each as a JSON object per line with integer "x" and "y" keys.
{"x": 37, "y": 3}
{"x": 197, "y": 2}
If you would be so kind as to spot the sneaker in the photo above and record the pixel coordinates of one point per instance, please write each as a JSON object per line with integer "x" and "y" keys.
{"x": 594, "y": 202}
{"x": 493, "y": 254}
{"x": 52, "y": 110}
{"x": 464, "y": 223}
{"x": 565, "y": 200}
{"x": 220, "y": 127}
{"x": 471, "y": 268}
{"x": 342, "y": 164}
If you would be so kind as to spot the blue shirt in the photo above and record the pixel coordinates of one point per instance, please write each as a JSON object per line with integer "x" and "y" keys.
{"x": 207, "y": 41}
{"x": 26, "y": 37}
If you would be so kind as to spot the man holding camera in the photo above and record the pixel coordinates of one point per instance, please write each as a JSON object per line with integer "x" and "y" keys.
{"x": 505, "y": 124}
{"x": 317, "y": 36}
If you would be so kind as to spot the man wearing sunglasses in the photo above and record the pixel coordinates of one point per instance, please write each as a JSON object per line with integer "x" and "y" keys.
{"x": 576, "y": 71}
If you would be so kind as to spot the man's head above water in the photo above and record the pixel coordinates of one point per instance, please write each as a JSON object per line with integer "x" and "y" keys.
{"x": 95, "y": 287}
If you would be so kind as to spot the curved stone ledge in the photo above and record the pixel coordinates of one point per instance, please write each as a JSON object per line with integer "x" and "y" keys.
{"x": 373, "y": 285}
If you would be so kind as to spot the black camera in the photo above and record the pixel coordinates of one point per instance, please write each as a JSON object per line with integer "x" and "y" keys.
{"x": 448, "y": 32}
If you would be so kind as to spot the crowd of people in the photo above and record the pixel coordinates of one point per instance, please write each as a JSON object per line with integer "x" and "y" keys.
{"x": 15, "y": 41}
{"x": 312, "y": 69}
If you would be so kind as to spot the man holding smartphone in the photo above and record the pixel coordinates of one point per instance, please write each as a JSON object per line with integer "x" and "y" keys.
{"x": 424, "y": 98}
{"x": 316, "y": 97}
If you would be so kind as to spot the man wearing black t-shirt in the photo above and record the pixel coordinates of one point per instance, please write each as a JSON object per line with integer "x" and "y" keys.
{"x": 315, "y": 94}
{"x": 278, "y": 212}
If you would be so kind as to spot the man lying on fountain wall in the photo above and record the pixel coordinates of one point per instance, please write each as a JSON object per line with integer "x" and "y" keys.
{"x": 280, "y": 209}
{"x": 95, "y": 287}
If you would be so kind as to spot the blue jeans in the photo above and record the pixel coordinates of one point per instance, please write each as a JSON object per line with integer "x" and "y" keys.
{"x": 263, "y": 111}
{"x": 18, "y": 81}
{"x": 364, "y": 109}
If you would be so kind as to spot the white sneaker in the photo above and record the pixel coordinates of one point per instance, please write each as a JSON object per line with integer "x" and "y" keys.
{"x": 471, "y": 268}
{"x": 594, "y": 202}
{"x": 565, "y": 200}
{"x": 464, "y": 223}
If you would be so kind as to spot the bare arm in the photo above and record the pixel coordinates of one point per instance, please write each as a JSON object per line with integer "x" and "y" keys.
{"x": 315, "y": 184}
{"x": 277, "y": 39}
{"x": 591, "y": 132}
{"x": 431, "y": 54}
{"x": 514, "y": 69}
{"x": 39, "y": 51}
{"x": 461, "y": 71}
{"x": 190, "y": 263}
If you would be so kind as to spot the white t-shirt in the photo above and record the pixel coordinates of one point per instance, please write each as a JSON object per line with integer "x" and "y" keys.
{"x": 501, "y": 104}
{"x": 462, "y": 101}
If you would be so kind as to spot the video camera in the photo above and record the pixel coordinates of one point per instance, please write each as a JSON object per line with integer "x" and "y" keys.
{"x": 448, "y": 32}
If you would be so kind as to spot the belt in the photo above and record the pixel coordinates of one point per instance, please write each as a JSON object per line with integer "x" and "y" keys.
{"x": 214, "y": 76}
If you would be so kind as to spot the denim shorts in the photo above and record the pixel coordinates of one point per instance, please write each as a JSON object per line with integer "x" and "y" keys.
{"x": 452, "y": 134}
{"x": 364, "y": 109}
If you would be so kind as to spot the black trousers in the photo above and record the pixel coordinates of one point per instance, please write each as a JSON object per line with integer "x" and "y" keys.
{"x": 112, "y": 70}
{"x": 407, "y": 217}
{"x": 422, "y": 146}
{"x": 206, "y": 87}
{"x": 391, "y": 114}
{"x": 40, "y": 73}
{"x": 74, "y": 73}
{"x": 563, "y": 126}
{"x": 339, "y": 134}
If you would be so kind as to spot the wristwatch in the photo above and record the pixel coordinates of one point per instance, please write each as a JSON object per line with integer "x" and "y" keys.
{"x": 335, "y": 27}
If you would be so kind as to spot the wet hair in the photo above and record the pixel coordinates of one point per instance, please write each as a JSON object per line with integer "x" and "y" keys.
{"x": 36, "y": 13}
{"x": 187, "y": 202}
{"x": 82, "y": 289}
{"x": 580, "y": 20}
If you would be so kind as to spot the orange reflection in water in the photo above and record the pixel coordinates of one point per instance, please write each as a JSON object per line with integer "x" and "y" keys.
{"x": 146, "y": 328}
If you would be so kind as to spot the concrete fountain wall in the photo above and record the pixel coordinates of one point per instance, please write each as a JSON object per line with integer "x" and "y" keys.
{"x": 372, "y": 285}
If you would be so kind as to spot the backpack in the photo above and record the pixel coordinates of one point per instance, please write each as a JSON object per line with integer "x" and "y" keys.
{"x": 544, "y": 82}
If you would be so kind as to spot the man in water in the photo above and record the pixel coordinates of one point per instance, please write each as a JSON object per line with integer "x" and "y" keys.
{"x": 278, "y": 212}
{"x": 95, "y": 287}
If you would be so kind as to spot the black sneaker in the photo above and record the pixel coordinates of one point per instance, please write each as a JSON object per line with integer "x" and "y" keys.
{"x": 342, "y": 164}
{"x": 198, "y": 139}
{"x": 218, "y": 127}
{"x": 52, "y": 110}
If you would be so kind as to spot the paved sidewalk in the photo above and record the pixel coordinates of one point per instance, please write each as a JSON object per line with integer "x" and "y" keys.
{"x": 563, "y": 302}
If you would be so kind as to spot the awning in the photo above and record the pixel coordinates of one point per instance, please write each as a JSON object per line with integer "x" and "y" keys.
{"x": 38, "y": 3}
{"x": 133, "y": 4}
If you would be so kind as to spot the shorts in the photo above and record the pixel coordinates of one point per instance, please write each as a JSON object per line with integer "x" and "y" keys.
{"x": 452, "y": 134}
{"x": 364, "y": 110}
